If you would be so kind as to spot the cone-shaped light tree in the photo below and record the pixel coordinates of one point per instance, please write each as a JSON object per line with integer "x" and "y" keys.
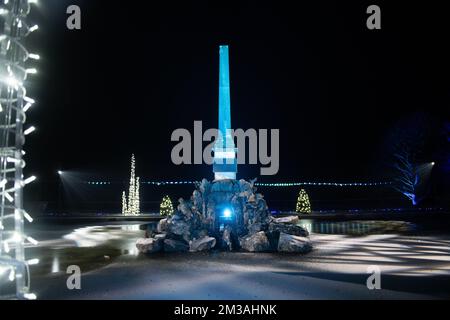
{"x": 132, "y": 206}
{"x": 166, "y": 207}
{"x": 124, "y": 204}
{"x": 303, "y": 204}
{"x": 137, "y": 203}
{"x": 132, "y": 187}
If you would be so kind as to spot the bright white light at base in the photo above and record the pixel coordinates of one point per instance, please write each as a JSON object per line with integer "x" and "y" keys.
{"x": 433, "y": 163}
{"x": 227, "y": 213}
{"x": 30, "y": 296}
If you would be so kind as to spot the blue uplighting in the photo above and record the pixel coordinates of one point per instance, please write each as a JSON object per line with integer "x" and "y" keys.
{"x": 227, "y": 213}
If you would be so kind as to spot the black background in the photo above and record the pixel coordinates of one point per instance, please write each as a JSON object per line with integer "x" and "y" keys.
{"x": 137, "y": 70}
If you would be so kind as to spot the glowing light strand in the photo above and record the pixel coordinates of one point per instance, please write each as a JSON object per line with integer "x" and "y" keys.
{"x": 259, "y": 184}
{"x": 132, "y": 206}
{"x": 13, "y": 106}
{"x": 303, "y": 204}
{"x": 166, "y": 207}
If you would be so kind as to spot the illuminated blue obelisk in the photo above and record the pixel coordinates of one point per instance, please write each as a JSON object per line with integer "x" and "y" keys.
{"x": 225, "y": 162}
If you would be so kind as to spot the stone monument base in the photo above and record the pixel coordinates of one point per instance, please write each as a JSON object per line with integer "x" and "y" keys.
{"x": 226, "y": 215}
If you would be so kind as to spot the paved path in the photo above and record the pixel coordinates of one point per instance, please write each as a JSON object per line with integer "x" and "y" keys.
{"x": 411, "y": 268}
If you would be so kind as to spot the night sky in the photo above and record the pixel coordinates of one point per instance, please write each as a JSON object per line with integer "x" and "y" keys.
{"x": 140, "y": 69}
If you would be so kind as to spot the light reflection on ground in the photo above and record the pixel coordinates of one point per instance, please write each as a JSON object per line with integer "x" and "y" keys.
{"x": 98, "y": 236}
{"x": 336, "y": 268}
{"x": 356, "y": 228}
{"x": 398, "y": 255}
{"x": 89, "y": 247}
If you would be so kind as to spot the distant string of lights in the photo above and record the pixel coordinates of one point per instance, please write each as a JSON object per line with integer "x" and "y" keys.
{"x": 155, "y": 183}
{"x": 325, "y": 184}
{"x": 259, "y": 184}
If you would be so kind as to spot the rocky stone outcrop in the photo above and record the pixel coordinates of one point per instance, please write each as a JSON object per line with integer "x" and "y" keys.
{"x": 179, "y": 227}
{"x": 288, "y": 220}
{"x": 203, "y": 244}
{"x": 257, "y": 242}
{"x": 291, "y": 229}
{"x": 172, "y": 245}
{"x": 199, "y": 223}
{"x": 293, "y": 244}
{"x": 162, "y": 225}
{"x": 257, "y": 227}
{"x": 227, "y": 242}
{"x": 150, "y": 245}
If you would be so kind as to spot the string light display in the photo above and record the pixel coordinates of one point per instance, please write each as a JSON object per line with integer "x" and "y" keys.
{"x": 124, "y": 204}
{"x": 132, "y": 187}
{"x": 259, "y": 184}
{"x": 324, "y": 184}
{"x": 132, "y": 206}
{"x": 303, "y": 204}
{"x": 166, "y": 207}
{"x": 14, "y": 103}
{"x": 137, "y": 200}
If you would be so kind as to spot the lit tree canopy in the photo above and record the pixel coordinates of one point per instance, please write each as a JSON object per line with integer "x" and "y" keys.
{"x": 132, "y": 206}
{"x": 303, "y": 204}
{"x": 166, "y": 207}
{"x": 408, "y": 156}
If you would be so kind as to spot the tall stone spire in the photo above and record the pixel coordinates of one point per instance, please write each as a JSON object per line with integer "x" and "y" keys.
{"x": 225, "y": 162}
